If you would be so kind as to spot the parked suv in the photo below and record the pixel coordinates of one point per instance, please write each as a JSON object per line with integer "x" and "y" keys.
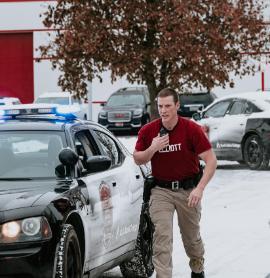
{"x": 126, "y": 109}
{"x": 191, "y": 103}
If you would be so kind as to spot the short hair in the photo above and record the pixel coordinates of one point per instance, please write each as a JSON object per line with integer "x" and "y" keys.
{"x": 166, "y": 92}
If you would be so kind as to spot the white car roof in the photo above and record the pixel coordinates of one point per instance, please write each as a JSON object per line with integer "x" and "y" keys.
{"x": 248, "y": 95}
{"x": 55, "y": 94}
{"x": 9, "y": 99}
{"x": 262, "y": 99}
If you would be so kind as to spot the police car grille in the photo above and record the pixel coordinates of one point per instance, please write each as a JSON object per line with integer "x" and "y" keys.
{"x": 123, "y": 116}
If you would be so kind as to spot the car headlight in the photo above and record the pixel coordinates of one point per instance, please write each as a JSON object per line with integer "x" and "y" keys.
{"x": 102, "y": 114}
{"x": 28, "y": 229}
{"x": 137, "y": 113}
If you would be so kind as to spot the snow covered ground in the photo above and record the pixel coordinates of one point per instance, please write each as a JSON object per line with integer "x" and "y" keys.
{"x": 235, "y": 224}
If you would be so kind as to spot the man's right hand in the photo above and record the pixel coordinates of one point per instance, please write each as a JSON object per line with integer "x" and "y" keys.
{"x": 160, "y": 142}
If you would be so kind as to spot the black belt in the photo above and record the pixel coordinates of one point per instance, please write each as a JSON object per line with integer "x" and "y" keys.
{"x": 186, "y": 184}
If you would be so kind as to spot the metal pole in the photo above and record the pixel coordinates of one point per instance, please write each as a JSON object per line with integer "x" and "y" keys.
{"x": 262, "y": 81}
{"x": 89, "y": 98}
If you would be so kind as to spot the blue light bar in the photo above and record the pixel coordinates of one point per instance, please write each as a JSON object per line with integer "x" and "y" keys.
{"x": 36, "y": 109}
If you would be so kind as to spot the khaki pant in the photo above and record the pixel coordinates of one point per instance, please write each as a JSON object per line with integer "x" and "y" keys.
{"x": 163, "y": 203}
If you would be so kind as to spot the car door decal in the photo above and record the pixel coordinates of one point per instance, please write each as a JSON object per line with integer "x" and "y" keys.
{"x": 107, "y": 212}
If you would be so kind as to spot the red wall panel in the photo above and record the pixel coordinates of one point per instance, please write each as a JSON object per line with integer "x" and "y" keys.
{"x": 16, "y": 66}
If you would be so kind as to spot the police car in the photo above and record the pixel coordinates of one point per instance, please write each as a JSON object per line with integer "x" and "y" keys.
{"x": 71, "y": 198}
{"x": 225, "y": 122}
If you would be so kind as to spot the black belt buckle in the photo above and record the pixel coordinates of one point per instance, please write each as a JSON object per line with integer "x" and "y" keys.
{"x": 175, "y": 185}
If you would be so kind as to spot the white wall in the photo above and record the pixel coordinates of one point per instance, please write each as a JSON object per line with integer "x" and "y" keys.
{"x": 21, "y": 15}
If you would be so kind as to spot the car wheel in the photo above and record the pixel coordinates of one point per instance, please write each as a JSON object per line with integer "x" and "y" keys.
{"x": 68, "y": 255}
{"x": 141, "y": 266}
{"x": 255, "y": 154}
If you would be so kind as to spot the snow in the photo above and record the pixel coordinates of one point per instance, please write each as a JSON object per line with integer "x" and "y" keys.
{"x": 235, "y": 224}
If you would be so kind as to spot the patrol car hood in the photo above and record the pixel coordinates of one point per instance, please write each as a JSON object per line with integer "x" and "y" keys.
{"x": 21, "y": 194}
{"x": 122, "y": 107}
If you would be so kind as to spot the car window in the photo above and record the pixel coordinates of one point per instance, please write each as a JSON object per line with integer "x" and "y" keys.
{"x": 110, "y": 147}
{"x": 29, "y": 154}
{"x": 205, "y": 99}
{"x": 84, "y": 147}
{"x": 217, "y": 110}
{"x": 125, "y": 99}
{"x": 251, "y": 108}
{"x": 53, "y": 100}
{"x": 76, "y": 101}
{"x": 238, "y": 107}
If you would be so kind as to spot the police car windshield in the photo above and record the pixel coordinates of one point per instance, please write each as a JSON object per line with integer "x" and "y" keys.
{"x": 53, "y": 100}
{"x": 125, "y": 99}
{"x": 29, "y": 154}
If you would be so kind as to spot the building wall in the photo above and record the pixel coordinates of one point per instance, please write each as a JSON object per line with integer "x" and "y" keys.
{"x": 20, "y": 18}
{"x": 16, "y": 66}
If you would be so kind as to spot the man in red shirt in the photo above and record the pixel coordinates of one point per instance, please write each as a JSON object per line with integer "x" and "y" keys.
{"x": 178, "y": 183}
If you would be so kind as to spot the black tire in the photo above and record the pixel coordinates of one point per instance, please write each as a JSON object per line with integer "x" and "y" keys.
{"x": 254, "y": 153}
{"x": 141, "y": 265}
{"x": 68, "y": 262}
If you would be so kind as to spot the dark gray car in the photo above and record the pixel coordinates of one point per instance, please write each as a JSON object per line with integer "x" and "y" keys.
{"x": 191, "y": 103}
{"x": 126, "y": 109}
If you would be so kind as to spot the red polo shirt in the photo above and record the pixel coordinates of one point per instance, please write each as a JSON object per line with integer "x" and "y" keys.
{"x": 180, "y": 159}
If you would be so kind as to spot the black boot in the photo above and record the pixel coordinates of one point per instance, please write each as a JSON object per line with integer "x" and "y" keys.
{"x": 197, "y": 275}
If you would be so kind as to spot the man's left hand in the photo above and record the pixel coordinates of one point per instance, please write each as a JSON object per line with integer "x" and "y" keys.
{"x": 195, "y": 197}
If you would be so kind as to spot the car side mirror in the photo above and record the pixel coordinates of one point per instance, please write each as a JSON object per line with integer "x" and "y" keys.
{"x": 102, "y": 104}
{"x": 98, "y": 163}
{"x": 196, "y": 116}
{"x": 68, "y": 157}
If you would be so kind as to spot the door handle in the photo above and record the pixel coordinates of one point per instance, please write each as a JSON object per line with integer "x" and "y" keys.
{"x": 114, "y": 183}
{"x": 137, "y": 176}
